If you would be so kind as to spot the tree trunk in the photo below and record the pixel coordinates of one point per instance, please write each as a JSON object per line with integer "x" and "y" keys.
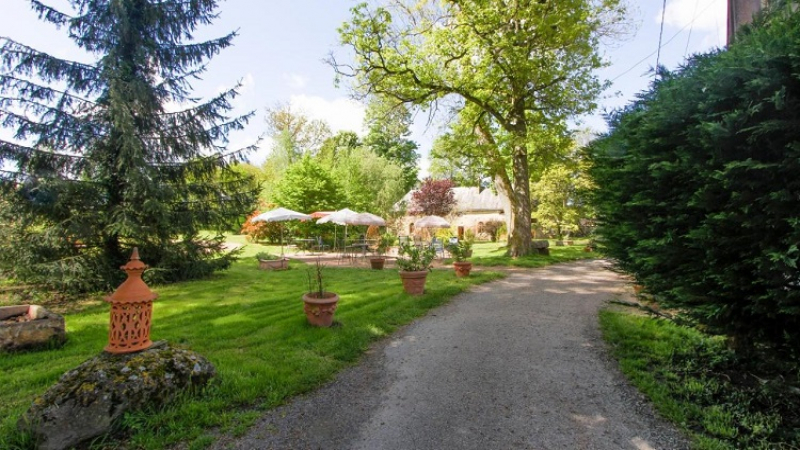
{"x": 519, "y": 238}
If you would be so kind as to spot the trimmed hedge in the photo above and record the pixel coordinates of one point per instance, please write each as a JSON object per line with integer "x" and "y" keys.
{"x": 699, "y": 187}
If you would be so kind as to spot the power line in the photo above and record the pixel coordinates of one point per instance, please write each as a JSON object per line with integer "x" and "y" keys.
{"x": 660, "y": 34}
{"x": 710, "y": 3}
{"x": 694, "y": 17}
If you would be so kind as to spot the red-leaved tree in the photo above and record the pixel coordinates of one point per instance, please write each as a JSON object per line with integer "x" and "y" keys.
{"x": 433, "y": 198}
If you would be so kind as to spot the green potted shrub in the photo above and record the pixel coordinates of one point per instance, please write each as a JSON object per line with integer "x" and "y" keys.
{"x": 318, "y": 304}
{"x": 460, "y": 252}
{"x": 385, "y": 242}
{"x": 414, "y": 263}
{"x": 268, "y": 261}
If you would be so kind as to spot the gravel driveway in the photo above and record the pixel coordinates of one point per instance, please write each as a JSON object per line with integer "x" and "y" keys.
{"x": 514, "y": 364}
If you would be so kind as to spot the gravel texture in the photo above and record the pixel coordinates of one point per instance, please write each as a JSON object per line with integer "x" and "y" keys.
{"x": 514, "y": 364}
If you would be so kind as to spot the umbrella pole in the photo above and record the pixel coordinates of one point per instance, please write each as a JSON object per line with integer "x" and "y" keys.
{"x": 281, "y": 241}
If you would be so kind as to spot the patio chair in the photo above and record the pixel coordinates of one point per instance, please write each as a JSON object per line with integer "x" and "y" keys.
{"x": 321, "y": 246}
{"x": 438, "y": 246}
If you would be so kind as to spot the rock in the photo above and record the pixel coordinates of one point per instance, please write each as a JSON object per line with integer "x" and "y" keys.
{"x": 87, "y": 400}
{"x": 29, "y": 326}
{"x": 543, "y": 243}
{"x": 541, "y": 246}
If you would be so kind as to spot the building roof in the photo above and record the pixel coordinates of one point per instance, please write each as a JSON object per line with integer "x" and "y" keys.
{"x": 468, "y": 200}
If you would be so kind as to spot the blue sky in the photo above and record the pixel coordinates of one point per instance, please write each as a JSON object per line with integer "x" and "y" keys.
{"x": 282, "y": 44}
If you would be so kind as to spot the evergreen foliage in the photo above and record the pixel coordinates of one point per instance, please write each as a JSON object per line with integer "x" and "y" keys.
{"x": 101, "y": 163}
{"x": 698, "y": 187}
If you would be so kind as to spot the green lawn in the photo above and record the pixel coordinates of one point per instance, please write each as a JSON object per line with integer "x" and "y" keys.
{"x": 693, "y": 380}
{"x": 493, "y": 254}
{"x": 250, "y": 324}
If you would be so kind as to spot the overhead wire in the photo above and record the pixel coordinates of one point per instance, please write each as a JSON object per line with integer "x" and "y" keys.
{"x": 688, "y": 39}
{"x": 710, "y": 3}
{"x": 660, "y": 35}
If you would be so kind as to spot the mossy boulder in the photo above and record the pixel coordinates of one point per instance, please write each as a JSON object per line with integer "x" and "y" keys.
{"x": 541, "y": 246}
{"x": 87, "y": 400}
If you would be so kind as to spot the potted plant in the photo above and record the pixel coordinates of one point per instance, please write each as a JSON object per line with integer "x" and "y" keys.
{"x": 460, "y": 252}
{"x": 268, "y": 261}
{"x": 384, "y": 243}
{"x": 414, "y": 263}
{"x": 319, "y": 305}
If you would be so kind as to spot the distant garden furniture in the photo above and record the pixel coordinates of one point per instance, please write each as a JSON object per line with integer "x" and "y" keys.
{"x": 438, "y": 247}
{"x": 321, "y": 246}
{"x": 305, "y": 245}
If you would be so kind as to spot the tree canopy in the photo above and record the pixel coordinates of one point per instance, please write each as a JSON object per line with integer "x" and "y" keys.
{"x": 101, "y": 163}
{"x": 517, "y": 65}
{"x": 433, "y": 198}
{"x": 389, "y": 122}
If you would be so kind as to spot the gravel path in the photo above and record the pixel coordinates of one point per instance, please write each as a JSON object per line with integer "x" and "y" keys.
{"x": 514, "y": 364}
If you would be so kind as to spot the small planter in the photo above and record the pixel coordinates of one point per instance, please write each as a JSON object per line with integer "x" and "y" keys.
{"x": 462, "y": 268}
{"x": 273, "y": 264}
{"x": 377, "y": 263}
{"x": 414, "y": 282}
{"x": 319, "y": 310}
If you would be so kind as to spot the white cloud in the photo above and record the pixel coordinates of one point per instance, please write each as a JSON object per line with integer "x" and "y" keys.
{"x": 341, "y": 114}
{"x": 295, "y": 81}
{"x": 257, "y": 156}
{"x": 708, "y": 15}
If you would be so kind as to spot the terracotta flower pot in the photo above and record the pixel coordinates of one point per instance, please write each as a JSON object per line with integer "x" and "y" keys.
{"x": 414, "y": 282}
{"x": 462, "y": 268}
{"x": 319, "y": 311}
{"x": 377, "y": 263}
{"x": 273, "y": 264}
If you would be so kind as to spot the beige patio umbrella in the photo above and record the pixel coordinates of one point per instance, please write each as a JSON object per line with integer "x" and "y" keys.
{"x": 343, "y": 216}
{"x": 432, "y": 222}
{"x": 368, "y": 219}
{"x": 280, "y": 215}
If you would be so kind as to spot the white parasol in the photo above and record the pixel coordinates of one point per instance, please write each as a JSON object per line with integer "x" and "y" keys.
{"x": 432, "y": 222}
{"x": 341, "y": 217}
{"x": 366, "y": 218}
{"x": 280, "y": 215}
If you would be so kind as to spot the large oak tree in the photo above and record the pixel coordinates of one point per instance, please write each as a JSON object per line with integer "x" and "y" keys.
{"x": 519, "y": 64}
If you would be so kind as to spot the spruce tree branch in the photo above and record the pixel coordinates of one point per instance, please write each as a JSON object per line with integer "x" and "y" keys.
{"x": 24, "y": 60}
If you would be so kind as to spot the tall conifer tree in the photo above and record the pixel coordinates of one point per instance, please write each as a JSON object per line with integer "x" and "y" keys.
{"x": 98, "y": 163}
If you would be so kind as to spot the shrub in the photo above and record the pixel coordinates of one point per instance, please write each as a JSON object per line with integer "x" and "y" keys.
{"x": 698, "y": 187}
{"x": 261, "y": 231}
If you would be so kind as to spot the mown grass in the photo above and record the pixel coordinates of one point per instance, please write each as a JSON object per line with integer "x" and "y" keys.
{"x": 250, "y": 324}
{"x": 721, "y": 401}
{"x": 494, "y": 254}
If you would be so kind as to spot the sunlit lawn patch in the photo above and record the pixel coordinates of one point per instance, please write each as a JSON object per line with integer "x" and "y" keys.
{"x": 250, "y": 324}
{"x": 494, "y": 254}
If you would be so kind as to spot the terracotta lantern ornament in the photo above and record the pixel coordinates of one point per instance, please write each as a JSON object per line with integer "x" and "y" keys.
{"x": 131, "y": 310}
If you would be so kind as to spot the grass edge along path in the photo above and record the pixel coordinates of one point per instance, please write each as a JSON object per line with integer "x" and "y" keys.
{"x": 250, "y": 325}
{"x": 488, "y": 254}
{"x": 687, "y": 376}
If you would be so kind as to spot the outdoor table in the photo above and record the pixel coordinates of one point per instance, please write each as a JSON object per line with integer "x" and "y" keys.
{"x": 362, "y": 246}
{"x": 305, "y": 244}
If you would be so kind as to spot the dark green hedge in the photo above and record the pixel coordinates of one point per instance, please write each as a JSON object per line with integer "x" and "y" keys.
{"x": 699, "y": 187}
